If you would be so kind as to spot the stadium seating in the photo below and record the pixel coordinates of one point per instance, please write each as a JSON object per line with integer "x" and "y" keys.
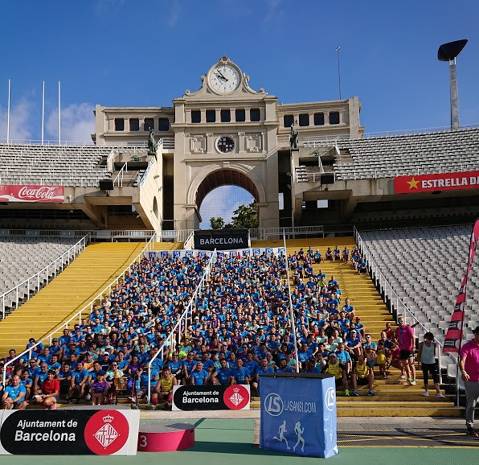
{"x": 425, "y": 267}
{"x": 21, "y": 258}
{"x": 76, "y": 166}
{"x": 98, "y": 265}
{"x": 385, "y": 157}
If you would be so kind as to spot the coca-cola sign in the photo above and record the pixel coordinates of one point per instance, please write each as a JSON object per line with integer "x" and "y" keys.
{"x": 31, "y": 193}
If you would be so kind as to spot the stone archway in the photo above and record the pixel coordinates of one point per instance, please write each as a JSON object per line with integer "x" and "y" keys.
{"x": 202, "y": 179}
{"x": 224, "y": 177}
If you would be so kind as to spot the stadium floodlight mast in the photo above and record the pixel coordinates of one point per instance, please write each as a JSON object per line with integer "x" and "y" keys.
{"x": 448, "y": 52}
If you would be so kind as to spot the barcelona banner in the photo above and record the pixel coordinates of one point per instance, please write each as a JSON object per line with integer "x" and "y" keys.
{"x": 454, "y": 332}
{"x": 69, "y": 432}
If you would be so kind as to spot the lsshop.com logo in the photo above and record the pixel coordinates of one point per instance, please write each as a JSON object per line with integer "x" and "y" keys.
{"x": 330, "y": 398}
{"x": 273, "y": 404}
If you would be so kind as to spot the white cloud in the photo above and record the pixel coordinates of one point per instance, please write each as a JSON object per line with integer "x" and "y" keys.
{"x": 223, "y": 201}
{"x": 77, "y": 123}
{"x": 273, "y": 10}
{"x": 19, "y": 122}
{"x": 174, "y": 13}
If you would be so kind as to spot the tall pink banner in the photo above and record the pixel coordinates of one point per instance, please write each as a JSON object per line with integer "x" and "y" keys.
{"x": 31, "y": 193}
{"x": 454, "y": 332}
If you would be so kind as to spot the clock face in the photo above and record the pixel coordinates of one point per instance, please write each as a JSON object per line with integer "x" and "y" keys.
{"x": 225, "y": 144}
{"x": 224, "y": 79}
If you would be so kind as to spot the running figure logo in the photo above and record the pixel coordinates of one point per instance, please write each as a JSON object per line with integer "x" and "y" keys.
{"x": 299, "y": 434}
{"x": 281, "y": 431}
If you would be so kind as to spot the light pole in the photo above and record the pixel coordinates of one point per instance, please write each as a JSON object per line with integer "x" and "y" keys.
{"x": 449, "y": 52}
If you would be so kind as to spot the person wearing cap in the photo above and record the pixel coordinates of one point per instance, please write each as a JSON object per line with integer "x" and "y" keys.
{"x": 469, "y": 366}
{"x": 99, "y": 388}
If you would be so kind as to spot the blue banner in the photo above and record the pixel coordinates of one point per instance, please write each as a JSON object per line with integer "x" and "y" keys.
{"x": 298, "y": 415}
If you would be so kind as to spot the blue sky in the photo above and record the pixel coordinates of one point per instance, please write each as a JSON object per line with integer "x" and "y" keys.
{"x": 146, "y": 52}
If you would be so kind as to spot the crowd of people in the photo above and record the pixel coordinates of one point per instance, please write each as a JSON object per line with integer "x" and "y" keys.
{"x": 240, "y": 329}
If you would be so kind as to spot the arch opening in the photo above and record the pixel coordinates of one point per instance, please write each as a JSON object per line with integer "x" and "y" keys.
{"x": 222, "y": 192}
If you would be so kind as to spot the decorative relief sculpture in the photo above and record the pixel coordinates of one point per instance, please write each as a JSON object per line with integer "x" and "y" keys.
{"x": 254, "y": 143}
{"x": 198, "y": 144}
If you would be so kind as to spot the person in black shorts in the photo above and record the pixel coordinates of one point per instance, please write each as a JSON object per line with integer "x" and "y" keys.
{"x": 427, "y": 356}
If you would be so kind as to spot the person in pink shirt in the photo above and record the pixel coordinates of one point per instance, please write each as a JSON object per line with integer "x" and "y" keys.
{"x": 469, "y": 366}
{"x": 406, "y": 342}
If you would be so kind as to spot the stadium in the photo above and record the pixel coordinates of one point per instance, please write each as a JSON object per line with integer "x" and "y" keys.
{"x": 357, "y": 269}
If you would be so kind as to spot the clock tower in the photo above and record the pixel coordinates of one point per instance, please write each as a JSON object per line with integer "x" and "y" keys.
{"x": 225, "y": 133}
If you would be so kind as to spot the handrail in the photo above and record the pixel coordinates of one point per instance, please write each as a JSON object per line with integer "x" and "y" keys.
{"x": 170, "y": 339}
{"x": 65, "y": 323}
{"x": 118, "y": 181}
{"x": 293, "y": 323}
{"x": 383, "y": 283}
{"x": 189, "y": 242}
{"x": 147, "y": 172}
{"x": 376, "y": 272}
{"x": 71, "y": 253}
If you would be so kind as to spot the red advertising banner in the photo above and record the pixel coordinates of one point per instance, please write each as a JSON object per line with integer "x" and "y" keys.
{"x": 31, "y": 193}
{"x": 452, "y": 341}
{"x": 436, "y": 182}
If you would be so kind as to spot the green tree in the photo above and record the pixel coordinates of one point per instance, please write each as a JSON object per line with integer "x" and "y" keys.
{"x": 216, "y": 222}
{"x": 245, "y": 216}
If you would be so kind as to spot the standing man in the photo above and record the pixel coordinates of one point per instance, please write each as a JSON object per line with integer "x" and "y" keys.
{"x": 469, "y": 366}
{"x": 406, "y": 340}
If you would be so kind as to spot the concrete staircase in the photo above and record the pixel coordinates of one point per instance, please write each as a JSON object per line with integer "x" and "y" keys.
{"x": 75, "y": 287}
{"x": 394, "y": 397}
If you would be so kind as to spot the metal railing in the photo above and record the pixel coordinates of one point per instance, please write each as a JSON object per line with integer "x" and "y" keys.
{"x": 78, "y": 315}
{"x": 289, "y": 232}
{"x": 305, "y": 175}
{"x": 118, "y": 181}
{"x": 291, "y": 309}
{"x": 190, "y": 241}
{"x": 177, "y": 235}
{"x": 33, "y": 283}
{"x": 385, "y": 287}
{"x": 144, "y": 177}
{"x": 181, "y": 327}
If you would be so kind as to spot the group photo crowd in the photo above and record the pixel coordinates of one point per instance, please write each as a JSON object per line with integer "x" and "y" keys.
{"x": 239, "y": 328}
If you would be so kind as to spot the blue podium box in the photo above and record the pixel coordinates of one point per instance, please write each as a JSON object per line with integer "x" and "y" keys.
{"x": 298, "y": 415}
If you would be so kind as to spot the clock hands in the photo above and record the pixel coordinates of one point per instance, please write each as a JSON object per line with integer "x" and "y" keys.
{"x": 221, "y": 75}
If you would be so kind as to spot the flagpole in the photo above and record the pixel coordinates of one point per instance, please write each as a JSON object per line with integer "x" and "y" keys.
{"x": 338, "y": 50}
{"x": 8, "y": 109}
{"x": 43, "y": 111}
{"x": 59, "y": 114}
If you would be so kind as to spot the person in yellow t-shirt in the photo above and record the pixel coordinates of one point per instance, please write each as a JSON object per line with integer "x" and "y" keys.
{"x": 164, "y": 388}
{"x": 362, "y": 374}
{"x": 335, "y": 369}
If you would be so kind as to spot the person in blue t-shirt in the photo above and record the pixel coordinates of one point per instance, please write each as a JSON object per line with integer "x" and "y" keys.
{"x": 80, "y": 378}
{"x": 241, "y": 373}
{"x": 41, "y": 377}
{"x": 199, "y": 375}
{"x": 344, "y": 360}
{"x": 224, "y": 373}
{"x": 14, "y": 395}
{"x": 284, "y": 367}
